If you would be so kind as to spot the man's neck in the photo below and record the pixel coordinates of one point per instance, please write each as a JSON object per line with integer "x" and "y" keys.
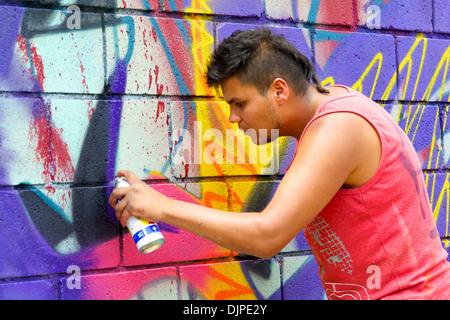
{"x": 301, "y": 110}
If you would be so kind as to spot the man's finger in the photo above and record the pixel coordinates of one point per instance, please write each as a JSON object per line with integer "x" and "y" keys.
{"x": 117, "y": 194}
{"x": 131, "y": 177}
{"x": 124, "y": 217}
{"x": 121, "y": 213}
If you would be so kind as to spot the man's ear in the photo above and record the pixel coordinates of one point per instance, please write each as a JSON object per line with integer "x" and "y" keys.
{"x": 281, "y": 90}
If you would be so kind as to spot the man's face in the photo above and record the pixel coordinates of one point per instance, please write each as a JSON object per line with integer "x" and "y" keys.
{"x": 251, "y": 110}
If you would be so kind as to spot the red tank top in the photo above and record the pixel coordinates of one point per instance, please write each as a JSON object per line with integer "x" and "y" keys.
{"x": 380, "y": 241}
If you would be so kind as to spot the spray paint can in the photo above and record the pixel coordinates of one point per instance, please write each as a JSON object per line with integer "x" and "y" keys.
{"x": 146, "y": 234}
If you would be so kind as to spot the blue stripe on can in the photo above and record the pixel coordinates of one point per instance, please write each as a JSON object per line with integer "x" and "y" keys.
{"x": 138, "y": 236}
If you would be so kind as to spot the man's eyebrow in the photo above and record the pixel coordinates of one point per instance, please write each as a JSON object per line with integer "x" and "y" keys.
{"x": 234, "y": 99}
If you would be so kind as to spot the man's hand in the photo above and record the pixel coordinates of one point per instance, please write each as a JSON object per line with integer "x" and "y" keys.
{"x": 138, "y": 200}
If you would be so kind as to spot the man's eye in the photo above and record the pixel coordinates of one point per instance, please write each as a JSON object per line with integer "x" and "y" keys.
{"x": 240, "y": 104}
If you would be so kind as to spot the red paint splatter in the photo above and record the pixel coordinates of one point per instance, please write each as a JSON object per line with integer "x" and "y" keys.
{"x": 83, "y": 77}
{"x": 159, "y": 87}
{"x": 36, "y": 59}
{"x": 186, "y": 170}
{"x": 22, "y": 42}
{"x": 150, "y": 79}
{"x": 40, "y": 133}
{"x": 143, "y": 35}
{"x": 160, "y": 109}
{"x": 50, "y": 189}
{"x": 159, "y": 91}
{"x": 63, "y": 166}
{"x": 154, "y": 35}
{"x": 51, "y": 151}
{"x": 90, "y": 109}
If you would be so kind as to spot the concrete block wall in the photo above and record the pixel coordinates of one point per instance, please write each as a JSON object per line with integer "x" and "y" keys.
{"x": 120, "y": 84}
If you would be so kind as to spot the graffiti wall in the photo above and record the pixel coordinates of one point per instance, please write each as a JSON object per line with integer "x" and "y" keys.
{"x": 91, "y": 87}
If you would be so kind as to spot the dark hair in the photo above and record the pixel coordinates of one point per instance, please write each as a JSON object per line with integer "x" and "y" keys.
{"x": 258, "y": 57}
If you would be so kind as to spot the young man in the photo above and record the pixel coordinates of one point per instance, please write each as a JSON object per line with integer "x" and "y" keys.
{"x": 355, "y": 184}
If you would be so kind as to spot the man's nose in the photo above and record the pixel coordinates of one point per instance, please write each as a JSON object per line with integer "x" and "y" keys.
{"x": 234, "y": 117}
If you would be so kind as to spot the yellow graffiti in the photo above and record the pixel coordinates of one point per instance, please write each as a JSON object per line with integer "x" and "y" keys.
{"x": 199, "y": 6}
{"x": 358, "y": 85}
{"x": 445, "y": 192}
{"x": 409, "y": 122}
{"x": 407, "y": 63}
{"x": 202, "y": 43}
{"x": 445, "y": 58}
{"x": 214, "y": 114}
{"x": 433, "y": 141}
{"x": 217, "y": 282}
{"x": 227, "y": 281}
{"x": 408, "y": 60}
{"x": 411, "y": 127}
{"x": 328, "y": 81}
